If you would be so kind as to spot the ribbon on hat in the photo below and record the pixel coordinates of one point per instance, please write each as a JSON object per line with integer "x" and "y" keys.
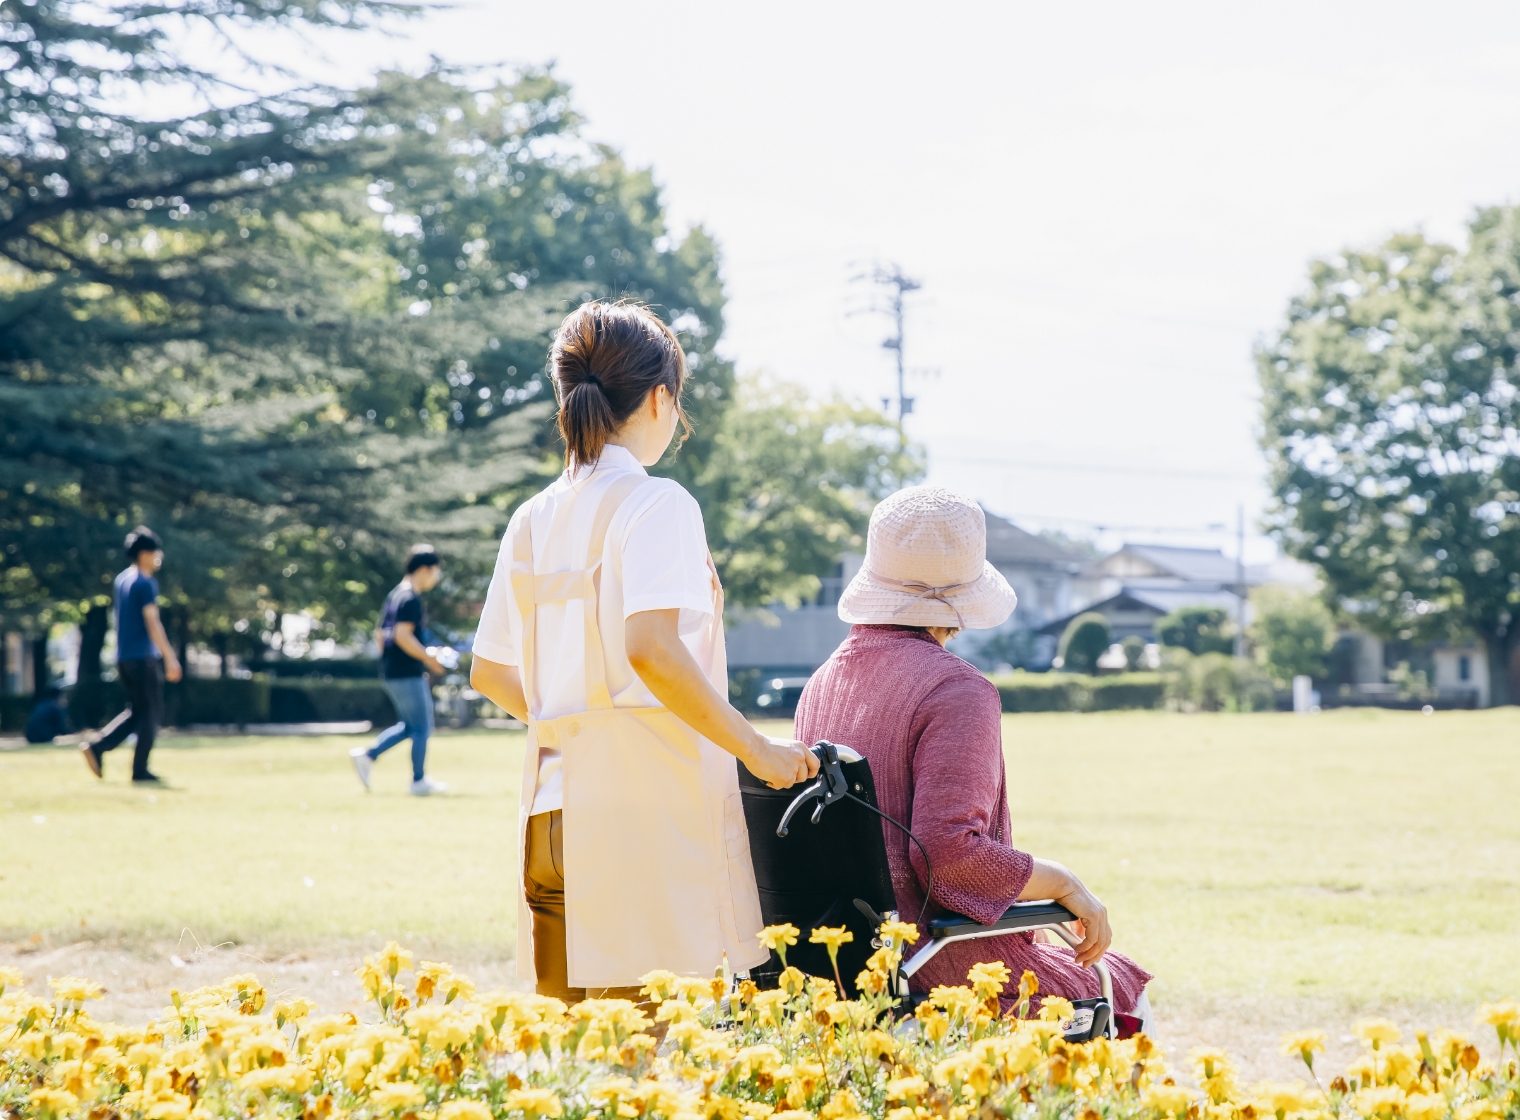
{"x": 925, "y": 591}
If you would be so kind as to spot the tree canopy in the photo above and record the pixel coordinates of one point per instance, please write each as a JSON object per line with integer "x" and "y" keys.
{"x": 296, "y": 332}
{"x": 1391, "y": 427}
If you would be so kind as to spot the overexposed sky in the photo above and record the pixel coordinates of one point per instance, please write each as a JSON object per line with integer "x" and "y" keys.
{"x": 1106, "y": 204}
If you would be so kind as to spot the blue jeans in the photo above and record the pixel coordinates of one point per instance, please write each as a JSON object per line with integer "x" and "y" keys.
{"x": 413, "y": 700}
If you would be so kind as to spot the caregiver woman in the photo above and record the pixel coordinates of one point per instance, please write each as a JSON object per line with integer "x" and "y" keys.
{"x": 603, "y": 631}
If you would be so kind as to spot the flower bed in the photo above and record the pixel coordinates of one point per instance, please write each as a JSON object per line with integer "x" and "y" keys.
{"x": 438, "y": 1050}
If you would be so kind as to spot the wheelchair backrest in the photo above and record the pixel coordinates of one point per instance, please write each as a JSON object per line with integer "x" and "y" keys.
{"x": 813, "y": 875}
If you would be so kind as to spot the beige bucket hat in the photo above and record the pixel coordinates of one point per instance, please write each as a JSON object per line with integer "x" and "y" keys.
{"x": 926, "y": 565}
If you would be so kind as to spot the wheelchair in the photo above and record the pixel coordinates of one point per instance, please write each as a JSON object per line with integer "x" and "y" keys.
{"x": 832, "y": 871}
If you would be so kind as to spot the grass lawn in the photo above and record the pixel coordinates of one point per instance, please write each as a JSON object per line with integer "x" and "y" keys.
{"x": 1348, "y": 861}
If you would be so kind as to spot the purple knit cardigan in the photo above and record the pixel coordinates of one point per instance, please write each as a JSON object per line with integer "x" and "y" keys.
{"x": 931, "y": 727}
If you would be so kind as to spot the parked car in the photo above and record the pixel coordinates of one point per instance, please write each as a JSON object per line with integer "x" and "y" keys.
{"x": 778, "y": 696}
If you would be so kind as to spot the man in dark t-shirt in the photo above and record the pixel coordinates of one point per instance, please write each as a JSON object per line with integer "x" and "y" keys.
{"x": 404, "y": 666}
{"x": 144, "y": 657}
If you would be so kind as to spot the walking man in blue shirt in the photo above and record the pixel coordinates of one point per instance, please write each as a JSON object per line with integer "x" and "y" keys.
{"x": 144, "y": 657}
{"x": 405, "y": 662}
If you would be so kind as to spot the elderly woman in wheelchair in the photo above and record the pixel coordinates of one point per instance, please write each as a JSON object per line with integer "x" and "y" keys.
{"x": 920, "y": 768}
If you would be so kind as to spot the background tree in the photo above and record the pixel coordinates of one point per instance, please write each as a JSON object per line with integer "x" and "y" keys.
{"x": 1292, "y": 633}
{"x": 1390, "y": 405}
{"x": 1197, "y": 629}
{"x": 788, "y": 484}
{"x": 1086, "y": 639}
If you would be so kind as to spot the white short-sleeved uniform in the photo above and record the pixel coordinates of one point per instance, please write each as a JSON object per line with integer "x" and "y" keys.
{"x": 655, "y": 558}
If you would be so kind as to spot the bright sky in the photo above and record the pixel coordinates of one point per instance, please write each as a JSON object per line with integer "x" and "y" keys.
{"x": 1107, "y": 204}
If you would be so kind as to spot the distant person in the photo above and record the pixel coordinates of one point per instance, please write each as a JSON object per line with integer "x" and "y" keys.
{"x": 404, "y": 665}
{"x": 144, "y": 657}
{"x": 49, "y": 718}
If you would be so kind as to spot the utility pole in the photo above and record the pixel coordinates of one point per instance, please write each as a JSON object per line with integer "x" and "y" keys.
{"x": 892, "y": 278}
{"x": 1240, "y": 581}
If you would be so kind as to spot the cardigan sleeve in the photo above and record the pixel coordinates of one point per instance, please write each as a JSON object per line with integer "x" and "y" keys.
{"x": 957, "y": 783}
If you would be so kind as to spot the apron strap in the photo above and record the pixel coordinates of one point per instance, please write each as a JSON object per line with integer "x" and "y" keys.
{"x": 530, "y": 589}
{"x": 597, "y": 695}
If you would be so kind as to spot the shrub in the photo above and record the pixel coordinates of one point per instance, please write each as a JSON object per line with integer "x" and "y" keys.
{"x": 1041, "y": 692}
{"x": 298, "y": 700}
{"x": 1134, "y": 652}
{"x": 1126, "y": 690}
{"x": 1216, "y": 682}
{"x": 442, "y": 1051}
{"x": 1069, "y": 692}
{"x": 219, "y": 700}
{"x": 1087, "y": 638}
{"x": 1197, "y": 629}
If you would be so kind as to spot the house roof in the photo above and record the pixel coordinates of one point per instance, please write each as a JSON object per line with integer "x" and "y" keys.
{"x": 1141, "y": 561}
{"x": 1152, "y": 600}
{"x": 1007, "y": 544}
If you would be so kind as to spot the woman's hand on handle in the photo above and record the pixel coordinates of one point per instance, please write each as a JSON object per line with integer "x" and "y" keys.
{"x": 781, "y": 762}
{"x": 662, "y": 661}
{"x": 1052, "y": 880}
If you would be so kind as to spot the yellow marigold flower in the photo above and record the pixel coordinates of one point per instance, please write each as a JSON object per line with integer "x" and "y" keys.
{"x": 792, "y": 980}
{"x": 464, "y": 1110}
{"x": 910, "y": 1089}
{"x": 832, "y": 938}
{"x": 1380, "y": 1100}
{"x": 1056, "y": 1010}
{"x": 52, "y": 1102}
{"x": 659, "y": 985}
{"x": 1486, "y": 1109}
{"x": 292, "y": 1011}
{"x": 1029, "y": 986}
{"x": 534, "y": 1102}
{"x": 72, "y": 989}
{"x": 392, "y": 959}
{"x": 1304, "y": 1045}
{"x": 169, "y": 1108}
{"x": 1209, "y": 1061}
{"x": 10, "y": 978}
{"x": 269, "y": 1078}
{"x": 779, "y": 938}
{"x": 1503, "y": 1017}
{"x": 872, "y": 981}
{"x": 1375, "y": 1032}
{"x": 954, "y": 999}
{"x": 988, "y": 979}
{"x": 905, "y": 932}
{"x": 391, "y": 1096}
{"x": 1425, "y": 1106}
{"x": 1285, "y": 1097}
{"x": 1170, "y": 1100}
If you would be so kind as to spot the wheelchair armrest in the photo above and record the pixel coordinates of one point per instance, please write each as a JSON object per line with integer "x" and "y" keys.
{"x": 1019, "y": 916}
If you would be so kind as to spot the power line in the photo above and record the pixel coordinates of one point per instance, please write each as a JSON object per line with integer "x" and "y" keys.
{"x": 1093, "y": 468}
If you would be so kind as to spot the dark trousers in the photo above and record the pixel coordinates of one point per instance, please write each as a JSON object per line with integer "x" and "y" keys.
{"x": 144, "y": 681}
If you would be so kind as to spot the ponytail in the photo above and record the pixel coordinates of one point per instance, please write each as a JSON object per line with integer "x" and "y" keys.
{"x": 606, "y": 359}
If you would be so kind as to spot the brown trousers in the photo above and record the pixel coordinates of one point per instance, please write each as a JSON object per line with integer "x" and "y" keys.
{"x": 544, "y": 884}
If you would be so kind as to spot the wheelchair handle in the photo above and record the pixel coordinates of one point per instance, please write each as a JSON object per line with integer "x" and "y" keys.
{"x": 830, "y": 786}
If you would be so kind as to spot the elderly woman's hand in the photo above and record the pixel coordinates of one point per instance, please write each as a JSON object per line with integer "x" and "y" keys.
{"x": 1052, "y": 880}
{"x": 1092, "y": 922}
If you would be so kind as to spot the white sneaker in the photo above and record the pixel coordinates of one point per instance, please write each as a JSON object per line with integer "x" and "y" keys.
{"x": 427, "y": 786}
{"x": 363, "y": 764}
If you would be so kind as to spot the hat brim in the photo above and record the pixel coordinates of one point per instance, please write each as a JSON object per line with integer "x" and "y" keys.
{"x": 986, "y": 603}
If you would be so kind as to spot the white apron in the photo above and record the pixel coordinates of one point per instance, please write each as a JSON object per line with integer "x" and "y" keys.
{"x": 657, "y": 864}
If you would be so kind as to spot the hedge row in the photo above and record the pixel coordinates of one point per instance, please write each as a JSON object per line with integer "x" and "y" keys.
{"x": 1070, "y": 692}
{"x": 198, "y": 700}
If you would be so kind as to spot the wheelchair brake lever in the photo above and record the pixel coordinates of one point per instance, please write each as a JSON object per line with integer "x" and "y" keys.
{"x": 830, "y": 786}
